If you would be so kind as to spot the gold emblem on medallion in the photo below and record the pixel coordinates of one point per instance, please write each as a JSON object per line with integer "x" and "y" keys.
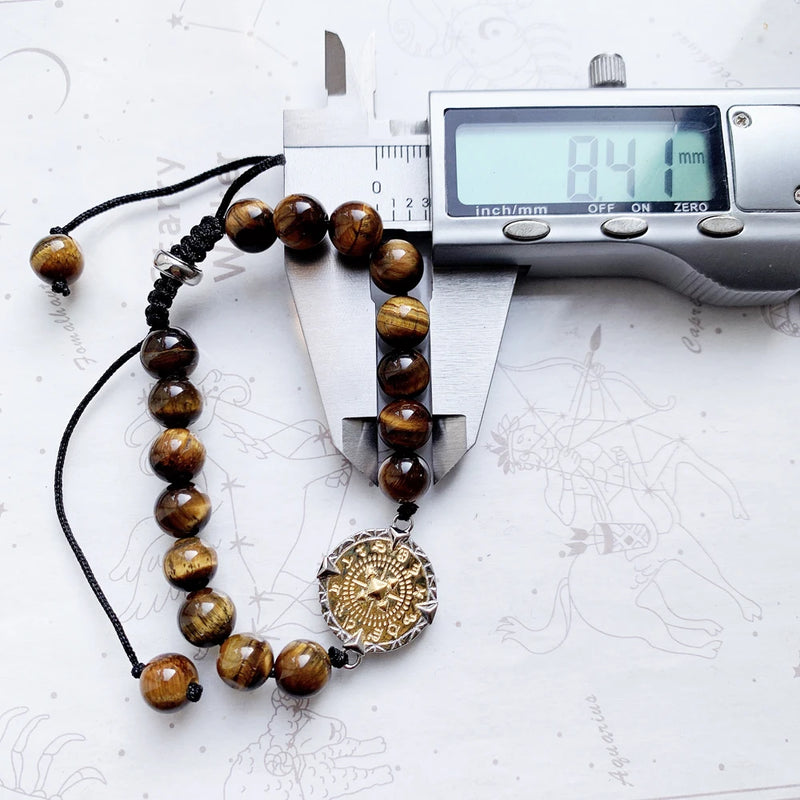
{"x": 377, "y": 590}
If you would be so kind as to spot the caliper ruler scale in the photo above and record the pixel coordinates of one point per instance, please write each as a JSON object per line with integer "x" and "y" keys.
{"x": 696, "y": 189}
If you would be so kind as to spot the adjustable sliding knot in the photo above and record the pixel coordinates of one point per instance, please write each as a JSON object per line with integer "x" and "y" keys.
{"x": 406, "y": 510}
{"x": 200, "y": 241}
{"x": 60, "y": 287}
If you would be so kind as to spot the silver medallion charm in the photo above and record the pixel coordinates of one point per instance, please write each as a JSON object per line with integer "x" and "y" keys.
{"x": 377, "y": 591}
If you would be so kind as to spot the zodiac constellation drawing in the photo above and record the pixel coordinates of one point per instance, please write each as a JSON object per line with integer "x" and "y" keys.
{"x": 304, "y": 754}
{"x": 51, "y": 776}
{"x": 492, "y": 45}
{"x": 609, "y": 476}
{"x": 301, "y": 754}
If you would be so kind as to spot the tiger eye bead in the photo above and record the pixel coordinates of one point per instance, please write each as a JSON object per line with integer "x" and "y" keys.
{"x": 355, "y": 229}
{"x": 249, "y": 225}
{"x": 302, "y": 668}
{"x": 57, "y": 258}
{"x": 300, "y": 221}
{"x": 396, "y": 267}
{"x": 402, "y": 321}
{"x": 207, "y": 617}
{"x": 175, "y": 402}
{"x": 165, "y": 679}
{"x": 405, "y": 424}
{"x": 169, "y": 352}
{"x": 403, "y": 374}
{"x": 244, "y": 662}
{"x": 190, "y": 564}
{"x": 404, "y": 478}
{"x": 182, "y": 510}
{"x": 177, "y": 455}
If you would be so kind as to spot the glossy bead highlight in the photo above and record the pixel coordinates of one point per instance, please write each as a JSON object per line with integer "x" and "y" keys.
{"x": 182, "y": 510}
{"x": 165, "y": 679}
{"x": 190, "y": 564}
{"x": 405, "y": 424}
{"x": 244, "y": 662}
{"x": 402, "y": 321}
{"x": 300, "y": 221}
{"x": 403, "y": 374}
{"x": 177, "y": 455}
{"x": 249, "y": 225}
{"x": 302, "y": 668}
{"x": 57, "y": 258}
{"x": 355, "y": 229}
{"x": 207, "y": 617}
{"x": 404, "y": 478}
{"x": 169, "y": 352}
{"x": 396, "y": 267}
{"x": 175, "y": 402}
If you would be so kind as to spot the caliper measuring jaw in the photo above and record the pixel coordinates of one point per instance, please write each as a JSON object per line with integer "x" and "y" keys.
{"x": 342, "y": 152}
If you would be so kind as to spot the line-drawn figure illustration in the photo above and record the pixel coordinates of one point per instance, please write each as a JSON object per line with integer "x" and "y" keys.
{"x": 303, "y": 754}
{"x": 494, "y": 45}
{"x": 610, "y": 477}
{"x": 46, "y": 777}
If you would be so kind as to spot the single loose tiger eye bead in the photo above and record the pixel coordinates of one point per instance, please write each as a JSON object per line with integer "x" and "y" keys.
{"x": 182, "y": 510}
{"x": 403, "y": 374}
{"x": 249, "y": 225}
{"x": 302, "y": 668}
{"x": 169, "y": 352}
{"x": 190, "y": 564}
{"x": 355, "y": 229}
{"x": 396, "y": 267}
{"x": 402, "y": 321}
{"x": 244, "y": 662}
{"x": 300, "y": 221}
{"x": 177, "y": 455}
{"x": 207, "y": 617}
{"x": 57, "y": 258}
{"x": 404, "y": 478}
{"x": 175, "y": 402}
{"x": 165, "y": 679}
{"x": 405, "y": 424}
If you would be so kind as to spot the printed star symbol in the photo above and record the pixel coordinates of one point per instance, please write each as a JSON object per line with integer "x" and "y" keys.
{"x": 3, "y": 224}
{"x": 238, "y": 542}
{"x": 228, "y": 486}
{"x": 3, "y": 509}
{"x": 175, "y": 21}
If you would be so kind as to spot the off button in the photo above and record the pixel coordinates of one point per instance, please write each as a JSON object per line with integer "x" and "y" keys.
{"x": 526, "y": 230}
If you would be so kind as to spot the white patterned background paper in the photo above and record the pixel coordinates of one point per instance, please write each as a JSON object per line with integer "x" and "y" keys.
{"x": 568, "y": 659}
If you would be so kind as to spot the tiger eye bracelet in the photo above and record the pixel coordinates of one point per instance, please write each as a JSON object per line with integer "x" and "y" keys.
{"x": 377, "y": 589}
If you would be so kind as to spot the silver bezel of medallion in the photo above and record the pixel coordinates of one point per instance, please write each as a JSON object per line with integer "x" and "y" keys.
{"x": 428, "y": 608}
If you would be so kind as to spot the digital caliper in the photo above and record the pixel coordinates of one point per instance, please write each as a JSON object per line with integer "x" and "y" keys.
{"x": 696, "y": 189}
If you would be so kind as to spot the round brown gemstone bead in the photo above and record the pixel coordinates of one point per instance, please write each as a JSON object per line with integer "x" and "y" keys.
{"x": 396, "y": 267}
{"x": 302, "y": 668}
{"x": 165, "y": 679}
{"x": 244, "y": 662}
{"x": 177, "y": 455}
{"x": 402, "y": 321}
{"x": 404, "y": 478}
{"x": 190, "y": 564}
{"x": 249, "y": 225}
{"x": 182, "y": 510}
{"x": 57, "y": 258}
{"x": 355, "y": 229}
{"x": 175, "y": 402}
{"x": 405, "y": 424}
{"x": 169, "y": 352}
{"x": 403, "y": 374}
{"x": 207, "y": 617}
{"x": 300, "y": 221}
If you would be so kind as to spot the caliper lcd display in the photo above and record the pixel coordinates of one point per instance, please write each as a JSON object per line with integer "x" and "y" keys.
{"x": 534, "y": 161}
